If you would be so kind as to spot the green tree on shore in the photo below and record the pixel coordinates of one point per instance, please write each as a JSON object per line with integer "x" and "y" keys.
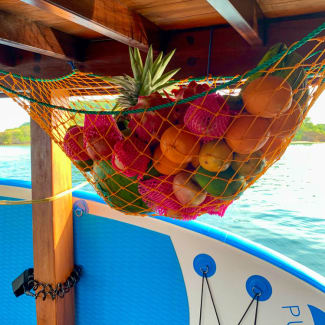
{"x": 19, "y": 135}
{"x": 310, "y": 132}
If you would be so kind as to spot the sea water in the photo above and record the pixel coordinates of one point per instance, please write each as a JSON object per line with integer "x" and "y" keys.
{"x": 284, "y": 210}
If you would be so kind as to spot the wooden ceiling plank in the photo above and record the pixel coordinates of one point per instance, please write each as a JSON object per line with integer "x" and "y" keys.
{"x": 278, "y": 8}
{"x": 230, "y": 55}
{"x": 171, "y": 9}
{"x": 243, "y": 16}
{"x": 107, "y": 17}
{"x": 22, "y": 9}
{"x": 27, "y": 35}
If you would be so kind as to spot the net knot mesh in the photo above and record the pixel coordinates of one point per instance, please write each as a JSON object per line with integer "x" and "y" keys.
{"x": 189, "y": 149}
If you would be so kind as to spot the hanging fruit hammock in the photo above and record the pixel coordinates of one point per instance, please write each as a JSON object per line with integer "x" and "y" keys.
{"x": 150, "y": 145}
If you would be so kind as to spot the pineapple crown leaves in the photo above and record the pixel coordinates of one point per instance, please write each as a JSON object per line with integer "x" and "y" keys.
{"x": 152, "y": 71}
{"x": 147, "y": 78}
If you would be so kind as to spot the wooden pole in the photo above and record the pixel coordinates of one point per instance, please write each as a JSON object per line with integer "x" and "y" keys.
{"x": 52, "y": 225}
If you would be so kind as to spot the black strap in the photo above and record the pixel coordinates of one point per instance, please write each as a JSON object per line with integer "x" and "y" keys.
{"x": 214, "y": 306}
{"x": 201, "y": 298}
{"x": 204, "y": 277}
{"x": 257, "y": 296}
{"x": 257, "y": 300}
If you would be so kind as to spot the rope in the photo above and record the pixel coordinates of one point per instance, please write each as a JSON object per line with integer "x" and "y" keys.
{"x": 39, "y": 79}
{"x": 47, "y": 199}
{"x": 258, "y": 68}
{"x": 214, "y": 306}
{"x": 210, "y": 49}
{"x": 257, "y": 300}
{"x": 73, "y": 67}
{"x": 204, "y": 277}
{"x": 256, "y": 297}
{"x": 202, "y": 288}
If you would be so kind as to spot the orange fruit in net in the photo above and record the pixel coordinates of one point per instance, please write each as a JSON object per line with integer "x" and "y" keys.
{"x": 248, "y": 133}
{"x": 273, "y": 148}
{"x": 267, "y": 96}
{"x": 178, "y": 145}
{"x": 165, "y": 166}
{"x": 287, "y": 123}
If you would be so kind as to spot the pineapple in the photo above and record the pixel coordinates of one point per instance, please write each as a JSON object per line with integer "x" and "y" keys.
{"x": 143, "y": 91}
{"x": 147, "y": 79}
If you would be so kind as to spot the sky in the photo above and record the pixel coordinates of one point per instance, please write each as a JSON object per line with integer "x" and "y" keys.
{"x": 12, "y": 115}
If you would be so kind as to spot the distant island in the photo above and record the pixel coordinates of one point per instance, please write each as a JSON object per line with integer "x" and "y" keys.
{"x": 308, "y": 132}
{"x": 20, "y": 135}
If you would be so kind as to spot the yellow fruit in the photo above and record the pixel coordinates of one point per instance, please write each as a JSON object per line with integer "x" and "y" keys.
{"x": 267, "y": 96}
{"x": 215, "y": 156}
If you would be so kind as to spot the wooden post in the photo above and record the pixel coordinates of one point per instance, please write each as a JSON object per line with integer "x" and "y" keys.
{"x": 52, "y": 226}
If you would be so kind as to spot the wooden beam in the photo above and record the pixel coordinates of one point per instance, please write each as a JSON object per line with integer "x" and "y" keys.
{"x": 107, "y": 17}
{"x": 52, "y": 226}
{"x": 22, "y": 33}
{"x": 231, "y": 54}
{"x": 35, "y": 65}
{"x": 244, "y": 16}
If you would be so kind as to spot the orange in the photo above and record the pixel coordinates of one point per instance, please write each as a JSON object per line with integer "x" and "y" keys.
{"x": 287, "y": 123}
{"x": 273, "y": 148}
{"x": 165, "y": 166}
{"x": 247, "y": 133}
{"x": 178, "y": 145}
{"x": 267, "y": 96}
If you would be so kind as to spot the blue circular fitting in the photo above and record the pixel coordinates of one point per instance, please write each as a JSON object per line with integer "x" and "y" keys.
{"x": 204, "y": 263}
{"x": 80, "y": 208}
{"x": 257, "y": 284}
